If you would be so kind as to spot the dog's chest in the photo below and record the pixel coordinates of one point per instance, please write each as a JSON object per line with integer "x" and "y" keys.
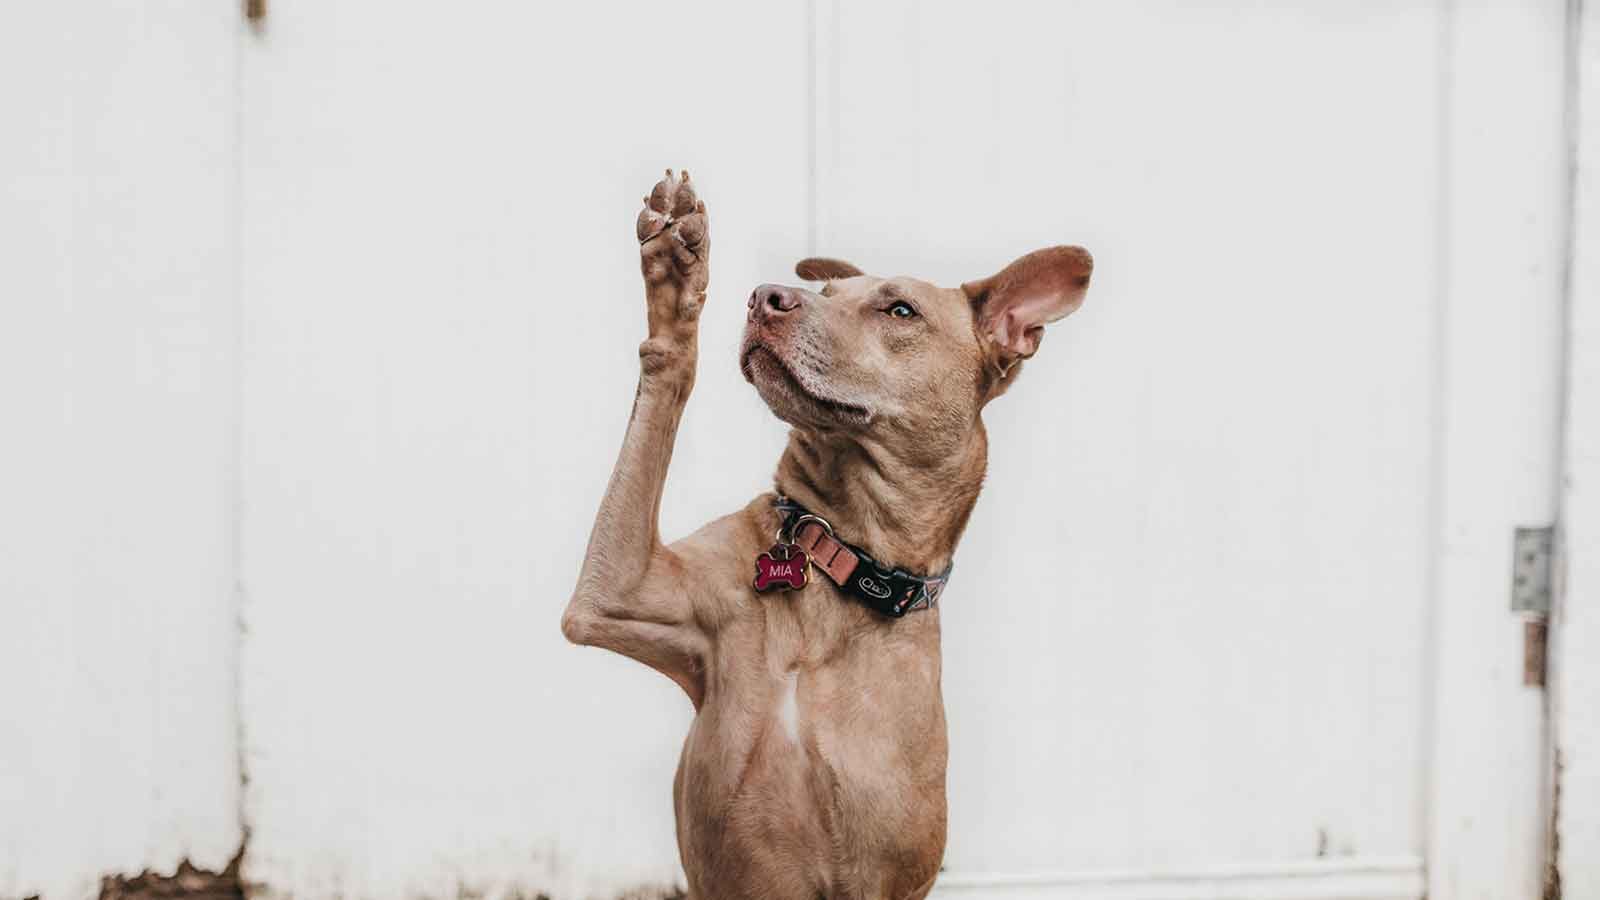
{"x": 824, "y": 736}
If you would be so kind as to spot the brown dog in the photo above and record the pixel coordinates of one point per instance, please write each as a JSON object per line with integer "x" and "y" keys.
{"x": 815, "y": 766}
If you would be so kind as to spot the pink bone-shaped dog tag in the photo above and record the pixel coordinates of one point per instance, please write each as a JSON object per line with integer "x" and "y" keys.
{"x": 782, "y": 567}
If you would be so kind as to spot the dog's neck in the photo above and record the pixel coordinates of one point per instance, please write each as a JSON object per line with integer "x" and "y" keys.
{"x": 906, "y": 514}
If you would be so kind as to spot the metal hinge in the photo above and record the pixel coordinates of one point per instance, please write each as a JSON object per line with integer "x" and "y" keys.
{"x": 1532, "y": 551}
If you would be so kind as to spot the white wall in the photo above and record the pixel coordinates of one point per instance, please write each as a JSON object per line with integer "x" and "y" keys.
{"x": 1225, "y": 456}
{"x": 1267, "y": 461}
{"x": 117, "y": 620}
{"x": 1222, "y": 460}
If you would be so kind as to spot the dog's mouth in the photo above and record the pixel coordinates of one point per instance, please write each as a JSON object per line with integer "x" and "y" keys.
{"x": 777, "y": 382}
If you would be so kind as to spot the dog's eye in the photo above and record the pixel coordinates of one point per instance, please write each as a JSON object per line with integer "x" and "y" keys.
{"x": 901, "y": 310}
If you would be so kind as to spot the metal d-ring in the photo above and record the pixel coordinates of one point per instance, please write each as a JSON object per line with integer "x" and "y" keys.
{"x": 794, "y": 529}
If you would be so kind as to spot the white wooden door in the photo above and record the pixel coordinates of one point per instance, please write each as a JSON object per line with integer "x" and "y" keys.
{"x": 1270, "y": 469}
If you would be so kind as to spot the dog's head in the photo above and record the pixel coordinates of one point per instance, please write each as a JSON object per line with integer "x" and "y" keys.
{"x": 898, "y": 359}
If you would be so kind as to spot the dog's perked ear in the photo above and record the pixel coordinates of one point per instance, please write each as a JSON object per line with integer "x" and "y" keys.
{"x": 1013, "y": 305}
{"x": 819, "y": 268}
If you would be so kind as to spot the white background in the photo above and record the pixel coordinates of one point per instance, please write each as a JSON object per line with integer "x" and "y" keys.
{"x": 330, "y": 340}
{"x": 118, "y": 630}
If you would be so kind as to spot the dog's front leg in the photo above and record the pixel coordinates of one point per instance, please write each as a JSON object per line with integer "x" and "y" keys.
{"x": 632, "y": 594}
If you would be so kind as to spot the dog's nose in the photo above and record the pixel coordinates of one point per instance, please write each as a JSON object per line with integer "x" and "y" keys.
{"x": 773, "y": 300}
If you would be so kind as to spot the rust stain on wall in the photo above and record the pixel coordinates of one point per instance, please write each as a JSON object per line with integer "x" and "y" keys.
{"x": 1552, "y": 869}
{"x": 188, "y": 883}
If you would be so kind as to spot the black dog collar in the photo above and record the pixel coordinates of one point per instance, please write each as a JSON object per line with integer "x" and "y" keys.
{"x": 888, "y": 591}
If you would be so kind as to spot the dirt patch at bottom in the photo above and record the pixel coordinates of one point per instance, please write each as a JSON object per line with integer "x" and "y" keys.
{"x": 188, "y": 883}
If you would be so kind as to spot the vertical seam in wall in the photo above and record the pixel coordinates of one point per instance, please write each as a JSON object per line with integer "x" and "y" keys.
{"x": 830, "y": 163}
{"x": 1568, "y": 226}
{"x": 823, "y": 95}
{"x": 1553, "y": 700}
{"x": 242, "y": 30}
{"x": 812, "y": 150}
{"x": 1438, "y": 403}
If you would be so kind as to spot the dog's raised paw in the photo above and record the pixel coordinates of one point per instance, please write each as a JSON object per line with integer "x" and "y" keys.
{"x": 673, "y": 232}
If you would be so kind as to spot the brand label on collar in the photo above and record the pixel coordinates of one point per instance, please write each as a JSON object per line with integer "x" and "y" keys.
{"x": 874, "y": 588}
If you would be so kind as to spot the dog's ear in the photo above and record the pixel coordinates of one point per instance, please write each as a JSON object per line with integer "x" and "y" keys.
{"x": 820, "y": 268}
{"x": 1013, "y": 305}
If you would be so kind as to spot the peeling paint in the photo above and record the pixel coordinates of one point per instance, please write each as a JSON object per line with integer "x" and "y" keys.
{"x": 188, "y": 882}
{"x": 191, "y": 882}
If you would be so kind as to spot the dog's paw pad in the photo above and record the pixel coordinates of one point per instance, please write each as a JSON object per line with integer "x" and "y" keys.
{"x": 670, "y": 202}
{"x": 673, "y": 231}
